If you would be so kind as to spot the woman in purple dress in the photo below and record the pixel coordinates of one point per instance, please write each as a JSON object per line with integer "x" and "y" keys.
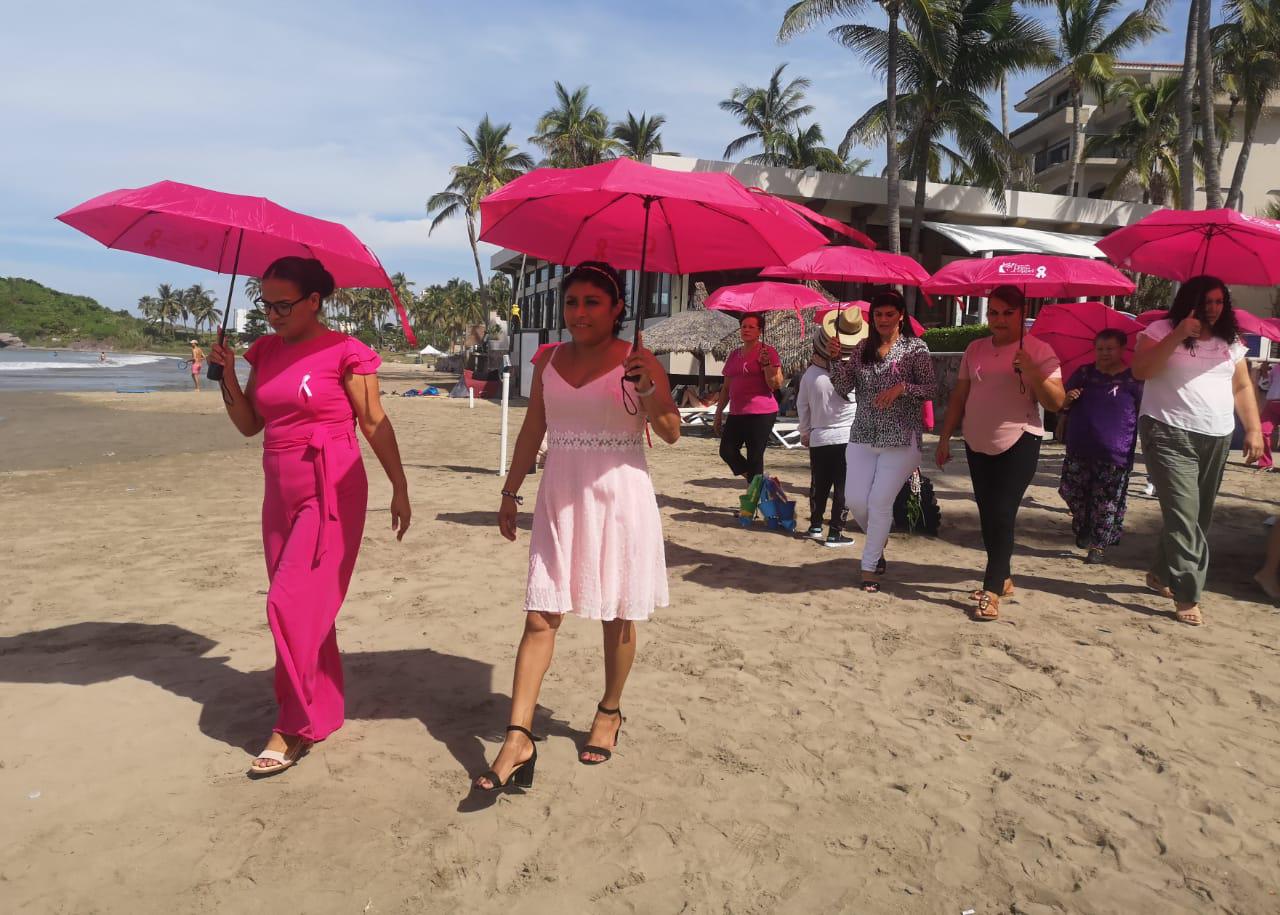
{"x": 1102, "y": 430}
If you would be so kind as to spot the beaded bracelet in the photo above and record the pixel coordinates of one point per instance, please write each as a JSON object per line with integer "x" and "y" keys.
{"x": 648, "y": 392}
{"x": 513, "y": 497}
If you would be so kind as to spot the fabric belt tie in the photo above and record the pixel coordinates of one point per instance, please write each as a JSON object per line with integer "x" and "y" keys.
{"x": 326, "y": 481}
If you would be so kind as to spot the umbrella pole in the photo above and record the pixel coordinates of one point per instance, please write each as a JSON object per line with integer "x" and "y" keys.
{"x": 640, "y": 285}
{"x": 215, "y": 371}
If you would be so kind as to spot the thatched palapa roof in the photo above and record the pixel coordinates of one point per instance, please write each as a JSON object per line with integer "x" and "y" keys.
{"x": 695, "y": 331}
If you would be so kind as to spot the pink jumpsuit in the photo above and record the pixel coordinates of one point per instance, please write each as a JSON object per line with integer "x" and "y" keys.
{"x": 313, "y": 511}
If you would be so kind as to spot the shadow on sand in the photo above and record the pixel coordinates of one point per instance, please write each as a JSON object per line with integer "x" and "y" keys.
{"x": 451, "y": 695}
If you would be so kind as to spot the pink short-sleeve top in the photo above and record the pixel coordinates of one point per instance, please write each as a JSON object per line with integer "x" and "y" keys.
{"x": 1001, "y": 407}
{"x": 749, "y": 393}
{"x": 299, "y": 386}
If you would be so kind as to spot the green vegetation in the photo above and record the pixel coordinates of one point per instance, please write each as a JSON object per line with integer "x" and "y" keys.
{"x": 953, "y": 339}
{"x": 42, "y": 316}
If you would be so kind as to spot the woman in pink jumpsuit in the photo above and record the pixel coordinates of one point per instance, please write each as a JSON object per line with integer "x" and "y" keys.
{"x": 308, "y": 387}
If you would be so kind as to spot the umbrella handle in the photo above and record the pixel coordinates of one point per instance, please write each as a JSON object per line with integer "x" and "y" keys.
{"x": 640, "y": 286}
{"x": 214, "y": 372}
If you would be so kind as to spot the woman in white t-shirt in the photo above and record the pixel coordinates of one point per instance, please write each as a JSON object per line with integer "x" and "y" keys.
{"x": 1196, "y": 376}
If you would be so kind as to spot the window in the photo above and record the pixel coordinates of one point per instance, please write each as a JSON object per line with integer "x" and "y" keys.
{"x": 1060, "y": 153}
{"x": 529, "y": 277}
{"x": 544, "y": 273}
{"x": 1062, "y": 98}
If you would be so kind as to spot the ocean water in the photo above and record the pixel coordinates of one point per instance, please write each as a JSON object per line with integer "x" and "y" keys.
{"x": 62, "y": 370}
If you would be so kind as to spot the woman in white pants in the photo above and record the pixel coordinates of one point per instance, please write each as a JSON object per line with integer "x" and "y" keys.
{"x": 892, "y": 375}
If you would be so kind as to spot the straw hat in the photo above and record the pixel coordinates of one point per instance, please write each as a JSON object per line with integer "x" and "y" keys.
{"x": 194, "y": 343}
{"x": 845, "y": 323}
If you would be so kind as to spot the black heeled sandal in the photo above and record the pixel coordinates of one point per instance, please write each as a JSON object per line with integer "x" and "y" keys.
{"x": 601, "y": 751}
{"x": 521, "y": 776}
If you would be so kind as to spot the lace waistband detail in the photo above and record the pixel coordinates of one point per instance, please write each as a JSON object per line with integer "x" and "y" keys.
{"x": 596, "y": 441}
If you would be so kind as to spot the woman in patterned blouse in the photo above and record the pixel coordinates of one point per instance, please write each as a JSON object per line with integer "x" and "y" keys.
{"x": 892, "y": 375}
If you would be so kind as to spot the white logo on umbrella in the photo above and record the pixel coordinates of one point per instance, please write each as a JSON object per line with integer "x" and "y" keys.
{"x": 302, "y": 387}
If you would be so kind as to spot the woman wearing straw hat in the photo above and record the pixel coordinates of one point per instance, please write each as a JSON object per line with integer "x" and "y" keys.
{"x": 825, "y": 421}
{"x": 892, "y": 373}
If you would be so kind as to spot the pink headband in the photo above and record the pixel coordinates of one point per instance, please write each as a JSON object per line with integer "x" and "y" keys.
{"x": 617, "y": 293}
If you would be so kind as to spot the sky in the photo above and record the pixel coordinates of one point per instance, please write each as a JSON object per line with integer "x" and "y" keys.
{"x": 351, "y": 110}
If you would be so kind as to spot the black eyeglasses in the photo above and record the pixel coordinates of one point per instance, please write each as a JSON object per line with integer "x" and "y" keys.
{"x": 283, "y": 309}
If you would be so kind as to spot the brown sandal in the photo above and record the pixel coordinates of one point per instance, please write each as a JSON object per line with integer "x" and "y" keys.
{"x": 987, "y": 610}
{"x": 1189, "y": 615}
{"x": 1007, "y": 591}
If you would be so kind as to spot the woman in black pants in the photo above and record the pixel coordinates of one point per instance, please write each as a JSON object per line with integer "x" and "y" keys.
{"x": 751, "y": 374}
{"x": 1004, "y": 381}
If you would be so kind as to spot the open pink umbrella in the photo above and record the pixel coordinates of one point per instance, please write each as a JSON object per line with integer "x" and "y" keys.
{"x": 1037, "y": 275}
{"x": 638, "y": 217}
{"x": 1071, "y": 328}
{"x": 749, "y": 298}
{"x": 1181, "y": 244}
{"x": 846, "y": 264}
{"x": 1248, "y": 322}
{"x": 818, "y": 219}
{"x": 227, "y": 233}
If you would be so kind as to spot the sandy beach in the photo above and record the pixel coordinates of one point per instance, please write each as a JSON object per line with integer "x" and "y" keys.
{"x": 791, "y": 745}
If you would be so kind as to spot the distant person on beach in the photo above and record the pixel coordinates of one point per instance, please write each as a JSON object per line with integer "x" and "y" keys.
{"x": 596, "y": 550}
{"x": 1196, "y": 376}
{"x": 892, "y": 373}
{"x": 102, "y": 358}
{"x": 1268, "y": 577}
{"x": 697, "y": 399}
{"x": 197, "y": 363}
{"x": 1270, "y": 418}
{"x": 825, "y": 418}
{"x": 308, "y": 388}
{"x": 1004, "y": 381}
{"x": 752, "y": 374}
{"x": 1101, "y": 413}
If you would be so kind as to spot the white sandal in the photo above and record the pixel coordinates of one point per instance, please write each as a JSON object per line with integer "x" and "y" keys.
{"x": 283, "y": 762}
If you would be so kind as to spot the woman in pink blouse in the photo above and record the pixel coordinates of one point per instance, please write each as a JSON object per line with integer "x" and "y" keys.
{"x": 309, "y": 387}
{"x": 1004, "y": 381}
{"x": 751, "y": 374}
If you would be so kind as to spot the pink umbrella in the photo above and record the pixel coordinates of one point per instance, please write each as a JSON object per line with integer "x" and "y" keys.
{"x": 818, "y": 219}
{"x": 1071, "y": 328}
{"x": 636, "y": 216}
{"x": 1247, "y": 322}
{"x": 752, "y": 297}
{"x": 1181, "y": 244}
{"x": 847, "y": 264}
{"x": 1037, "y": 275}
{"x": 226, "y": 233}
{"x": 865, "y": 308}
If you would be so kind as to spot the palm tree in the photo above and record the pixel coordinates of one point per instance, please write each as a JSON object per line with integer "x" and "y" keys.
{"x": 640, "y": 137}
{"x": 948, "y": 59}
{"x": 252, "y": 289}
{"x": 169, "y": 305}
{"x": 803, "y": 148}
{"x": 1148, "y": 138}
{"x": 1186, "y": 107}
{"x": 769, "y": 113}
{"x": 149, "y": 308}
{"x": 199, "y": 305}
{"x": 573, "y": 132}
{"x": 1249, "y": 59}
{"x": 1086, "y": 50}
{"x": 804, "y": 15}
{"x": 1204, "y": 63}
{"x": 491, "y": 163}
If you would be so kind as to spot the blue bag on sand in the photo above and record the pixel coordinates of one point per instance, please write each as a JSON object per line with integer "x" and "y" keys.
{"x": 750, "y": 502}
{"x": 778, "y": 511}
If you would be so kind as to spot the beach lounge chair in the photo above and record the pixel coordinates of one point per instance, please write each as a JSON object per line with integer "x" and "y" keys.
{"x": 787, "y": 434}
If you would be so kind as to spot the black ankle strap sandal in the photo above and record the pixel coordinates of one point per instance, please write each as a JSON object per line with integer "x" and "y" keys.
{"x": 601, "y": 751}
{"x": 521, "y": 776}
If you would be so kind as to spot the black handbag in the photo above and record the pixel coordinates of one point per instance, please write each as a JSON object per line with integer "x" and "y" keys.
{"x": 916, "y": 509}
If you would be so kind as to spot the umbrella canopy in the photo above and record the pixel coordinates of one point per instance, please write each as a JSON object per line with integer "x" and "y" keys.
{"x": 696, "y": 222}
{"x": 846, "y": 264}
{"x": 227, "y": 233}
{"x": 748, "y": 298}
{"x": 1037, "y": 275}
{"x": 818, "y": 219}
{"x": 695, "y": 330}
{"x": 1181, "y": 244}
{"x": 865, "y": 308}
{"x": 1247, "y": 322}
{"x": 1070, "y": 329}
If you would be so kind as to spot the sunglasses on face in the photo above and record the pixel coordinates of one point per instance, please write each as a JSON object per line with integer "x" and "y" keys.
{"x": 283, "y": 309}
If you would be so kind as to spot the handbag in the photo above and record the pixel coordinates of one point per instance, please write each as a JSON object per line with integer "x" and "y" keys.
{"x": 916, "y": 509}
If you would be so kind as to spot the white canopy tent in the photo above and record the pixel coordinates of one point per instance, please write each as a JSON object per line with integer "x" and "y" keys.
{"x": 429, "y": 350}
{"x": 1013, "y": 240}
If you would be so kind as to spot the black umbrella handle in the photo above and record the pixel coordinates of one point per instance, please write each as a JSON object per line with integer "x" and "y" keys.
{"x": 215, "y": 370}
{"x": 640, "y": 286}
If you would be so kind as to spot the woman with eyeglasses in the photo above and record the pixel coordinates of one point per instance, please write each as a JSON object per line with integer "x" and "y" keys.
{"x": 597, "y": 550}
{"x": 308, "y": 389}
{"x": 1196, "y": 377}
{"x": 1005, "y": 379}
